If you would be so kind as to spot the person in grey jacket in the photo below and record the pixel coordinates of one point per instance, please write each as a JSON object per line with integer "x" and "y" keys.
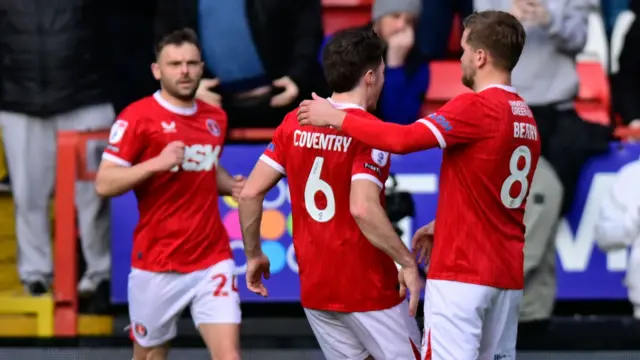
{"x": 546, "y": 77}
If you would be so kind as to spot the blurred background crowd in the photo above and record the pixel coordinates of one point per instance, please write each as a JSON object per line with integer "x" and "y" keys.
{"x": 72, "y": 65}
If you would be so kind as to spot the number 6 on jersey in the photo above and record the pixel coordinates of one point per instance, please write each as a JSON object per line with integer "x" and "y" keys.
{"x": 315, "y": 184}
{"x": 517, "y": 176}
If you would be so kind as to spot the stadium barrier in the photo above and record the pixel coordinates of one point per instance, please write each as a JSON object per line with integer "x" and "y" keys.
{"x": 77, "y": 159}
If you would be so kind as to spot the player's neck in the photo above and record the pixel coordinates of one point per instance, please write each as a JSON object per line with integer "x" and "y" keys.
{"x": 482, "y": 83}
{"x": 175, "y": 101}
{"x": 351, "y": 97}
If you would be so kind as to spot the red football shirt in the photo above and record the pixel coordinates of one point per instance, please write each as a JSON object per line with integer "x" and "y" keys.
{"x": 339, "y": 268}
{"x": 491, "y": 149}
{"x": 179, "y": 228}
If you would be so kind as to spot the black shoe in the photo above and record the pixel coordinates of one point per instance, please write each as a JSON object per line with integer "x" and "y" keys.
{"x": 36, "y": 288}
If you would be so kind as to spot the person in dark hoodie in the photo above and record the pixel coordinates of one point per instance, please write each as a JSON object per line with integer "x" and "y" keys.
{"x": 406, "y": 73}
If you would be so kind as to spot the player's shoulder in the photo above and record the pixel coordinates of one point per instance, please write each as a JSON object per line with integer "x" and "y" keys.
{"x": 138, "y": 109}
{"x": 139, "y": 112}
{"x": 289, "y": 122}
{"x": 361, "y": 113}
{"x": 465, "y": 101}
{"x": 211, "y": 111}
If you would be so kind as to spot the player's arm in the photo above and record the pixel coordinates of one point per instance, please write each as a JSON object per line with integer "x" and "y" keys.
{"x": 115, "y": 179}
{"x": 225, "y": 181}
{"x": 260, "y": 181}
{"x": 456, "y": 122}
{"x": 264, "y": 176}
{"x": 119, "y": 169}
{"x": 366, "y": 209}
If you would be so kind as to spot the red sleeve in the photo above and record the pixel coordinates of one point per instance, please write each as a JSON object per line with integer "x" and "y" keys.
{"x": 371, "y": 164}
{"x": 274, "y": 154}
{"x": 459, "y": 121}
{"x": 126, "y": 140}
{"x": 398, "y": 139}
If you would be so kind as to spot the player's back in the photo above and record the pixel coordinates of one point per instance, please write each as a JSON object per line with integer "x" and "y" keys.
{"x": 483, "y": 190}
{"x": 339, "y": 268}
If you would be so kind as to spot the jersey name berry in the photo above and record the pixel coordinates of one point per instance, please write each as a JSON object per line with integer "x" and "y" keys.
{"x": 199, "y": 157}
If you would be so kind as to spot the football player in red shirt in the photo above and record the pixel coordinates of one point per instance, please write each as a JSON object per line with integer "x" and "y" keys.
{"x": 344, "y": 243}
{"x": 166, "y": 149}
{"x": 491, "y": 149}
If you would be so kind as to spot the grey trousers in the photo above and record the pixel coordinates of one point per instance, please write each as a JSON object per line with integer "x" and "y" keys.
{"x": 541, "y": 218}
{"x": 30, "y": 146}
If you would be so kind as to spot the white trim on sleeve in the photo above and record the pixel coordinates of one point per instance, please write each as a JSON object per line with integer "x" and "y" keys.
{"x": 274, "y": 164}
{"x": 435, "y": 131}
{"x": 114, "y": 159}
{"x": 369, "y": 177}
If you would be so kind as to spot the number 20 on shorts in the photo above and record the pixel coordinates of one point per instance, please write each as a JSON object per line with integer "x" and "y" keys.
{"x": 221, "y": 280}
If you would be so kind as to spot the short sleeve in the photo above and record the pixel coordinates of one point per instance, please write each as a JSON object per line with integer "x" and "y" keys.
{"x": 460, "y": 121}
{"x": 126, "y": 141}
{"x": 274, "y": 154}
{"x": 371, "y": 164}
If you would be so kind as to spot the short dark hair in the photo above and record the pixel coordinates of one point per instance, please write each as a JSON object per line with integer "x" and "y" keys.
{"x": 348, "y": 55}
{"x": 499, "y": 33}
{"x": 177, "y": 38}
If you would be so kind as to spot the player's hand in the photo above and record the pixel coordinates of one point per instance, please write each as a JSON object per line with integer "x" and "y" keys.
{"x": 236, "y": 187}
{"x": 204, "y": 92}
{"x": 422, "y": 242}
{"x": 319, "y": 112}
{"x": 409, "y": 278}
{"x": 258, "y": 268}
{"x": 399, "y": 45}
{"x": 289, "y": 94}
{"x": 171, "y": 156}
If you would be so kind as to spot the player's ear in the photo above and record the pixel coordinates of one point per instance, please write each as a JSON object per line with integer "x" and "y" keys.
{"x": 369, "y": 77}
{"x": 155, "y": 70}
{"x": 480, "y": 57}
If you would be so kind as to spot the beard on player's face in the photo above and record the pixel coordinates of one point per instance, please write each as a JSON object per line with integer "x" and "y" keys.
{"x": 183, "y": 89}
{"x": 468, "y": 78}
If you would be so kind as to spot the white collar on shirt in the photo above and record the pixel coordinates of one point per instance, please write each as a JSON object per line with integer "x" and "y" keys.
{"x": 343, "y": 106}
{"x": 503, "y": 87}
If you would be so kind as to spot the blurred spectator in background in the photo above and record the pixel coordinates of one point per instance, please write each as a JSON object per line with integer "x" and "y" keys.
{"x": 261, "y": 56}
{"x": 53, "y": 71}
{"x": 626, "y": 83}
{"x": 618, "y": 226}
{"x": 541, "y": 219}
{"x": 547, "y": 79}
{"x": 436, "y": 24}
{"x": 406, "y": 73}
{"x": 130, "y": 44}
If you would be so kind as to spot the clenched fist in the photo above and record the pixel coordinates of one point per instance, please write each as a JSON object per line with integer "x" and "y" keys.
{"x": 171, "y": 156}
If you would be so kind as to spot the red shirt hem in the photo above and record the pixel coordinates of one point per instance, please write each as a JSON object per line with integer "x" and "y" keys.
{"x": 351, "y": 308}
{"x": 182, "y": 269}
{"x": 506, "y": 285}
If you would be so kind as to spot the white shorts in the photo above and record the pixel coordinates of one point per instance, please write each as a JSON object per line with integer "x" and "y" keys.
{"x": 469, "y": 322}
{"x": 384, "y": 334}
{"x": 156, "y": 301}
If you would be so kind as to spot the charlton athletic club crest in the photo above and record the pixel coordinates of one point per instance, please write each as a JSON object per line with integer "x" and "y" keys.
{"x": 213, "y": 127}
{"x": 140, "y": 329}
